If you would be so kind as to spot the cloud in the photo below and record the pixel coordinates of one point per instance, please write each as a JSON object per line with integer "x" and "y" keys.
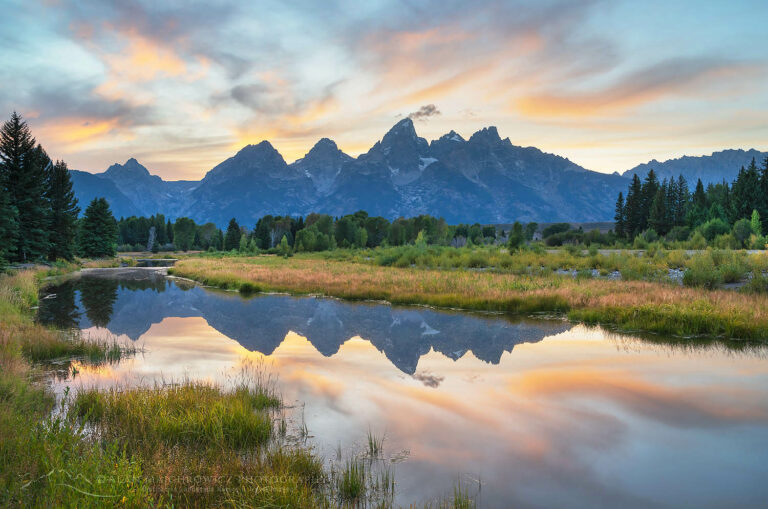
{"x": 423, "y": 113}
{"x": 652, "y": 83}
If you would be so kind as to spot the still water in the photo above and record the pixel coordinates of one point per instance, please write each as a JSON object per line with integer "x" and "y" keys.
{"x": 524, "y": 413}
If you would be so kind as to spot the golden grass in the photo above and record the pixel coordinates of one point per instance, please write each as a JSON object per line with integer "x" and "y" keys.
{"x": 635, "y": 305}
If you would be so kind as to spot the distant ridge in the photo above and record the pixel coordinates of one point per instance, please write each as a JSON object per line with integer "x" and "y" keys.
{"x": 711, "y": 169}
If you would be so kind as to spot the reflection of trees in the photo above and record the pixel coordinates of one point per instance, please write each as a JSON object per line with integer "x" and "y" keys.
{"x": 98, "y": 295}
{"x": 60, "y": 311}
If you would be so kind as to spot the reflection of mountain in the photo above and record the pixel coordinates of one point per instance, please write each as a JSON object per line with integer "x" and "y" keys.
{"x": 261, "y": 323}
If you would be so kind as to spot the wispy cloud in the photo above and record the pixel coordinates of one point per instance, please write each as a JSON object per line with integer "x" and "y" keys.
{"x": 423, "y": 113}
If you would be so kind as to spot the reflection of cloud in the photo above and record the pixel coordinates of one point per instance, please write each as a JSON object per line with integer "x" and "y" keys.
{"x": 428, "y": 379}
{"x": 680, "y": 407}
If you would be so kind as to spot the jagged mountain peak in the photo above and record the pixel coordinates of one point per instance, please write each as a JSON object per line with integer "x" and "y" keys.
{"x": 131, "y": 168}
{"x": 261, "y": 148}
{"x": 486, "y": 135}
{"x": 452, "y": 136}
{"x": 325, "y": 147}
{"x": 403, "y": 130}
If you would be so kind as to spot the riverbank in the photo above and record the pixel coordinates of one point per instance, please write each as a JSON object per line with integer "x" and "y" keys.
{"x": 630, "y": 305}
{"x": 185, "y": 444}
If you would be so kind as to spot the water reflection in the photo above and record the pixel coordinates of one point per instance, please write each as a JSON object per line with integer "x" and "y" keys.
{"x": 544, "y": 415}
{"x": 131, "y": 306}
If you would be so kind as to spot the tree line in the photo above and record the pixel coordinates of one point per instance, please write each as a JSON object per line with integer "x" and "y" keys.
{"x": 315, "y": 232}
{"x": 38, "y": 208}
{"x": 734, "y": 215}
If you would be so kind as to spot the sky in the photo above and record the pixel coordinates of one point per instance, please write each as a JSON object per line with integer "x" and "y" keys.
{"x": 182, "y": 86}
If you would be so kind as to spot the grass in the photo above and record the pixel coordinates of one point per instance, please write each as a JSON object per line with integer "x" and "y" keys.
{"x": 634, "y": 305}
{"x": 49, "y": 345}
{"x": 190, "y": 414}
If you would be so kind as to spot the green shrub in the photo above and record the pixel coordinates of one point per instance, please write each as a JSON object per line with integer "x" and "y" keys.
{"x": 757, "y": 284}
{"x": 701, "y": 272}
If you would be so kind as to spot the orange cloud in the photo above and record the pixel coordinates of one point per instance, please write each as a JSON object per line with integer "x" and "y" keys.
{"x": 77, "y": 131}
{"x": 143, "y": 60}
{"x": 668, "y": 78}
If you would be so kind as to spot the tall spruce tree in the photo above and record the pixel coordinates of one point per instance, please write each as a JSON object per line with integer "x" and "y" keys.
{"x": 97, "y": 236}
{"x": 23, "y": 167}
{"x": 683, "y": 197}
{"x": 633, "y": 215}
{"x": 8, "y": 227}
{"x": 169, "y": 231}
{"x": 62, "y": 222}
{"x": 762, "y": 209}
{"x": 619, "y": 218}
{"x": 232, "y": 237}
{"x": 650, "y": 186}
{"x": 658, "y": 219}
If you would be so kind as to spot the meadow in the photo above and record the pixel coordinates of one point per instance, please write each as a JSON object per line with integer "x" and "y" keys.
{"x": 620, "y": 289}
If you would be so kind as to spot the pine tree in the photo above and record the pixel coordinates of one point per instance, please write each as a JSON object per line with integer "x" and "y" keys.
{"x": 219, "y": 244}
{"x": 23, "y": 167}
{"x": 8, "y": 227}
{"x": 683, "y": 199}
{"x": 763, "y": 204}
{"x": 169, "y": 231}
{"x": 619, "y": 217}
{"x": 650, "y": 186}
{"x": 62, "y": 221}
{"x": 232, "y": 237}
{"x": 98, "y": 231}
{"x": 658, "y": 215}
{"x": 633, "y": 213}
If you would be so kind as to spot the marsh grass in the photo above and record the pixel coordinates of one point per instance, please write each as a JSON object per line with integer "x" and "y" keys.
{"x": 375, "y": 444}
{"x": 48, "y": 346}
{"x": 630, "y": 305}
{"x": 190, "y": 414}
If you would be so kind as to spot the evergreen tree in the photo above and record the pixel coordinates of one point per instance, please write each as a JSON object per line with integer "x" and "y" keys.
{"x": 23, "y": 167}
{"x": 763, "y": 205}
{"x": 98, "y": 231}
{"x": 633, "y": 210}
{"x": 619, "y": 217}
{"x": 683, "y": 198}
{"x": 232, "y": 237}
{"x": 745, "y": 192}
{"x": 697, "y": 212}
{"x": 169, "y": 231}
{"x": 219, "y": 240}
{"x": 62, "y": 221}
{"x": 658, "y": 213}
{"x": 8, "y": 227}
{"x": 650, "y": 186}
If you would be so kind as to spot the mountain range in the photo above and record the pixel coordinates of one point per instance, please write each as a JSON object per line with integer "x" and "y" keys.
{"x": 712, "y": 169}
{"x": 483, "y": 179}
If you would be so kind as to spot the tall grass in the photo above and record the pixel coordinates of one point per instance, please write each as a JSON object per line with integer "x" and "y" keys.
{"x": 633, "y": 305}
{"x": 192, "y": 414}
